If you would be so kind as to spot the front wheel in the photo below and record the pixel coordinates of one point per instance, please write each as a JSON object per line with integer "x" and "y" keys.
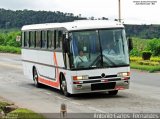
{"x": 113, "y": 92}
{"x": 63, "y": 86}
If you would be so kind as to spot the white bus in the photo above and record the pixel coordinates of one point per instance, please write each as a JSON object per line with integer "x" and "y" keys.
{"x": 53, "y": 55}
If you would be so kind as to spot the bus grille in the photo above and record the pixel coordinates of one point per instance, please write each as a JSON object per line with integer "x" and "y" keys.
{"x": 103, "y": 86}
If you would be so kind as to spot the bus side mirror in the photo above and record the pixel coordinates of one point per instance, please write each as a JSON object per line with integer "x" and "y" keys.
{"x": 65, "y": 44}
{"x": 130, "y": 44}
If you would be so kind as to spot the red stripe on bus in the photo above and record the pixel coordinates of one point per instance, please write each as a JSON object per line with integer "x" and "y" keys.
{"x": 57, "y": 70}
{"x": 48, "y": 82}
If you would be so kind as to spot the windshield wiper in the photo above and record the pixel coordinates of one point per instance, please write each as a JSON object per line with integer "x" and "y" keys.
{"x": 113, "y": 64}
{"x": 99, "y": 56}
{"x": 91, "y": 65}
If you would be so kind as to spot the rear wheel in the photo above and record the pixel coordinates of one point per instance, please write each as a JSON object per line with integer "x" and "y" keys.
{"x": 63, "y": 86}
{"x": 35, "y": 78}
{"x": 113, "y": 92}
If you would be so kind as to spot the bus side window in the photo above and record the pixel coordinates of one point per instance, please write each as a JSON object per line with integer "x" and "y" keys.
{"x": 38, "y": 39}
{"x": 26, "y": 39}
{"x": 32, "y": 39}
{"x": 59, "y": 36}
{"x": 51, "y": 37}
{"x": 44, "y": 39}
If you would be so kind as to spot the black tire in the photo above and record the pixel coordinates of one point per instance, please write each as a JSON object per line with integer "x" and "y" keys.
{"x": 113, "y": 92}
{"x": 35, "y": 78}
{"x": 63, "y": 86}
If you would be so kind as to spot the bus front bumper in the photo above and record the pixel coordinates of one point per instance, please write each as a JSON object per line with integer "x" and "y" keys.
{"x": 100, "y": 86}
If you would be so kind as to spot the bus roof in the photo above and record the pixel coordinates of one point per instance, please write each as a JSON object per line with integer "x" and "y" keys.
{"x": 76, "y": 25}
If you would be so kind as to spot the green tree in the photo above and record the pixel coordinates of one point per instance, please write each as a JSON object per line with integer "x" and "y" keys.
{"x": 154, "y": 46}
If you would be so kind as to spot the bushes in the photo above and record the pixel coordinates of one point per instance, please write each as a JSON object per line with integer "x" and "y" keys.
{"x": 2, "y": 39}
{"x": 136, "y": 59}
{"x": 155, "y": 59}
{"x": 135, "y": 52}
{"x": 8, "y": 42}
{"x": 154, "y": 46}
{"x": 10, "y": 49}
{"x": 146, "y": 55}
{"x": 147, "y": 62}
{"x": 151, "y": 65}
{"x": 9, "y": 39}
{"x": 140, "y": 45}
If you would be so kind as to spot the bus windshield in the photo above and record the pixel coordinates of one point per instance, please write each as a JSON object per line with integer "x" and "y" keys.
{"x": 98, "y": 49}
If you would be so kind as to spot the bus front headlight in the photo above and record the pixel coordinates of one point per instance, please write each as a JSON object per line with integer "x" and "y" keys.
{"x": 84, "y": 77}
{"x": 124, "y": 75}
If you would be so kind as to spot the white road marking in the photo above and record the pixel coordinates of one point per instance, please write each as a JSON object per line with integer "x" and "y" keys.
{"x": 61, "y": 98}
{"x": 97, "y": 110}
{"x": 47, "y": 93}
{"x": 79, "y": 104}
{"x": 76, "y": 103}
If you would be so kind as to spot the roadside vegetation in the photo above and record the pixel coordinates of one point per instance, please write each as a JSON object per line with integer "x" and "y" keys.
{"x": 8, "y": 43}
{"x": 151, "y": 65}
{"x": 10, "y": 49}
{"x": 145, "y": 54}
{"x": 10, "y": 111}
{"x": 146, "y": 38}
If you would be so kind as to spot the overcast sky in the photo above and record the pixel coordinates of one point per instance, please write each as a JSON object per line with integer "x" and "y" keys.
{"x": 132, "y": 11}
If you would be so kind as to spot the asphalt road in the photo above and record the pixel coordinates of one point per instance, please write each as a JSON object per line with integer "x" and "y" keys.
{"x": 142, "y": 97}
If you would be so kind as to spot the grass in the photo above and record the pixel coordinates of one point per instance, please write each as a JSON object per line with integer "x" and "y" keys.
{"x": 149, "y": 68}
{"x": 151, "y": 65}
{"x": 3, "y": 104}
{"x": 23, "y": 114}
{"x": 10, "y": 49}
{"x": 19, "y": 113}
